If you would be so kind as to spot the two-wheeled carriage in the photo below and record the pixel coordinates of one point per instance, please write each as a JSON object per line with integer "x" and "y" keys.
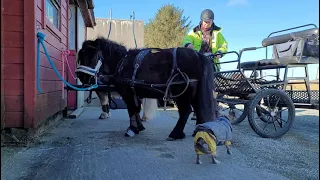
{"x": 267, "y": 100}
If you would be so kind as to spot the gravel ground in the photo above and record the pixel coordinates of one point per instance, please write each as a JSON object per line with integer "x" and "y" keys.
{"x": 295, "y": 155}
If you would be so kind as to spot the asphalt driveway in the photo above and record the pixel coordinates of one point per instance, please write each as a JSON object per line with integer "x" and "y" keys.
{"x": 89, "y": 148}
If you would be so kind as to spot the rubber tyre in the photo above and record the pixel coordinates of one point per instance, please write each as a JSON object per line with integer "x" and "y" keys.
{"x": 242, "y": 116}
{"x": 257, "y": 99}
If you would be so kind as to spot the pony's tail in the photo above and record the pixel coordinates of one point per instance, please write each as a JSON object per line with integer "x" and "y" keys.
{"x": 205, "y": 93}
{"x": 150, "y": 108}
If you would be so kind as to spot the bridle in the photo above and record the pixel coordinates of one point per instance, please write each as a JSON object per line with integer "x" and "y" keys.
{"x": 93, "y": 72}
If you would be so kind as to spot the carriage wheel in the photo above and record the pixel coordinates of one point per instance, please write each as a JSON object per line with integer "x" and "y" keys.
{"x": 235, "y": 112}
{"x": 261, "y": 112}
{"x": 273, "y": 121}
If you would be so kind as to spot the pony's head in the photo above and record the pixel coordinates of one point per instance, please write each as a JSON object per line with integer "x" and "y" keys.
{"x": 89, "y": 62}
{"x": 97, "y": 57}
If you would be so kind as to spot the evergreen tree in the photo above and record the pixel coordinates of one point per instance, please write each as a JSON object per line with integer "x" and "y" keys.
{"x": 167, "y": 29}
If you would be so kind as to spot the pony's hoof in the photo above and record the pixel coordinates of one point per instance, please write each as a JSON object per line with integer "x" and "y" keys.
{"x": 175, "y": 137}
{"x": 129, "y": 133}
{"x": 132, "y": 131}
{"x": 104, "y": 115}
{"x": 170, "y": 139}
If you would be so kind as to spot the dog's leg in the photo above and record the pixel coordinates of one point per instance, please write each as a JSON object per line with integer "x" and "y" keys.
{"x": 198, "y": 159}
{"x": 214, "y": 160}
{"x": 228, "y": 144}
{"x": 228, "y": 150}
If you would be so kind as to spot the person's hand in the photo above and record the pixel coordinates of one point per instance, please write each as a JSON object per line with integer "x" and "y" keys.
{"x": 190, "y": 46}
{"x": 218, "y": 55}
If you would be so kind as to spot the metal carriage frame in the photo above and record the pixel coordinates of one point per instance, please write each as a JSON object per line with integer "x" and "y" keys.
{"x": 254, "y": 91}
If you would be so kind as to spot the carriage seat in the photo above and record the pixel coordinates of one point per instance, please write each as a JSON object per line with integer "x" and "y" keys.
{"x": 300, "y": 47}
{"x": 280, "y": 62}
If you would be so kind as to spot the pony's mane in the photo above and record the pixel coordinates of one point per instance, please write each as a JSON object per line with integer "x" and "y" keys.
{"x": 134, "y": 51}
{"x": 112, "y": 46}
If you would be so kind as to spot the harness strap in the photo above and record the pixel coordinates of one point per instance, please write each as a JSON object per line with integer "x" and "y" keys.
{"x": 137, "y": 62}
{"x": 173, "y": 70}
{"x": 174, "y": 64}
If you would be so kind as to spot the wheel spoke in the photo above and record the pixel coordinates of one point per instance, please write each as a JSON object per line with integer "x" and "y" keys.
{"x": 274, "y": 125}
{"x": 240, "y": 110}
{"x": 277, "y": 102}
{"x": 279, "y": 118}
{"x": 265, "y": 125}
{"x": 282, "y": 110}
{"x": 259, "y": 117}
{"x": 279, "y": 122}
{"x": 268, "y": 103}
{"x": 263, "y": 110}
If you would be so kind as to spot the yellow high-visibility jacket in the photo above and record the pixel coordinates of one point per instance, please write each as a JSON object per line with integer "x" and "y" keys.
{"x": 218, "y": 42}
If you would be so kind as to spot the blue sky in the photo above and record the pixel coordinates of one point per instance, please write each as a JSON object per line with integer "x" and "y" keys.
{"x": 245, "y": 23}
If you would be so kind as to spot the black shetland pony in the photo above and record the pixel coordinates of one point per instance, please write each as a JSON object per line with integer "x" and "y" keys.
{"x": 147, "y": 73}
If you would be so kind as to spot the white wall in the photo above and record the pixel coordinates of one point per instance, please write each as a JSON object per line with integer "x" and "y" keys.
{"x": 81, "y": 37}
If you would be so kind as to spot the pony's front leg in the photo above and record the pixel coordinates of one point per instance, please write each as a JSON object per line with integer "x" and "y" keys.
{"x": 184, "y": 109}
{"x": 134, "y": 108}
{"x": 104, "y": 101}
{"x": 135, "y": 126}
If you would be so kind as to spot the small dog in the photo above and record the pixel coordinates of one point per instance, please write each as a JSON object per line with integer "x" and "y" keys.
{"x": 209, "y": 135}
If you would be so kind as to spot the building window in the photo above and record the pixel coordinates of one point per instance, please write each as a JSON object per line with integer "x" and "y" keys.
{"x": 53, "y": 12}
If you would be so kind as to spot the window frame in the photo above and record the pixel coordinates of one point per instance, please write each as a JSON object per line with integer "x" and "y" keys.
{"x": 57, "y": 6}
{"x": 47, "y": 24}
